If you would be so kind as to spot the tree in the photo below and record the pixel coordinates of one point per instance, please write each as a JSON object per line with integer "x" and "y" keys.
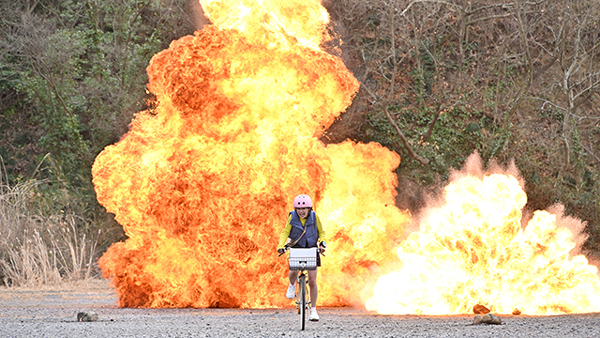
{"x": 511, "y": 79}
{"x": 570, "y": 46}
{"x": 75, "y": 70}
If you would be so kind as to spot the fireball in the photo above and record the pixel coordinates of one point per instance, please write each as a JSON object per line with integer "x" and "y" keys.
{"x": 473, "y": 250}
{"x": 202, "y": 183}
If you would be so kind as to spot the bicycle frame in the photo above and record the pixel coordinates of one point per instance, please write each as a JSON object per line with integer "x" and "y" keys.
{"x": 303, "y": 296}
{"x": 303, "y": 260}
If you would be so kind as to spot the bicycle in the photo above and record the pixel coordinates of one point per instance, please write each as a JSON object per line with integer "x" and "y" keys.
{"x": 302, "y": 260}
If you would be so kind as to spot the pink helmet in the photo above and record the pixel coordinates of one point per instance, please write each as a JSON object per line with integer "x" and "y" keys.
{"x": 302, "y": 201}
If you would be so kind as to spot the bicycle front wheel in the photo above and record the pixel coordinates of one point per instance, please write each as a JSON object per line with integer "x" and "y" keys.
{"x": 303, "y": 300}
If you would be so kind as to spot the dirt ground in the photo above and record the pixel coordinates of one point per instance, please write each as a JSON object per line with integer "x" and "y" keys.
{"x": 52, "y": 312}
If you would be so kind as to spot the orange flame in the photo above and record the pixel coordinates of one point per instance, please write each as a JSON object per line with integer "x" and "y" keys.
{"x": 473, "y": 250}
{"x": 203, "y": 182}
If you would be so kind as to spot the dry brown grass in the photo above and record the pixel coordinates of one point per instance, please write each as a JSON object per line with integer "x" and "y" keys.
{"x": 41, "y": 245}
{"x": 94, "y": 284}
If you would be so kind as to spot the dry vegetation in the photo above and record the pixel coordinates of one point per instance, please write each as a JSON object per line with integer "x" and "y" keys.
{"x": 72, "y": 73}
{"x": 509, "y": 79}
{"x": 41, "y": 244}
{"x": 37, "y": 248}
{"x": 440, "y": 79}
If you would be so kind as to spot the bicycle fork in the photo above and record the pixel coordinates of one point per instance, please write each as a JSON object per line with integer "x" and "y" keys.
{"x": 302, "y": 279}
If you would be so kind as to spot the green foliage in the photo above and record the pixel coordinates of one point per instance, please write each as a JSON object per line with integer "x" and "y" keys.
{"x": 423, "y": 76}
{"x": 72, "y": 73}
{"x": 497, "y": 144}
{"x": 507, "y": 78}
{"x": 77, "y": 67}
{"x": 456, "y": 134}
{"x": 552, "y": 114}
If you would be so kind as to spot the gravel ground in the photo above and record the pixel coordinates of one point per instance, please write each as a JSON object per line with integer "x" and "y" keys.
{"x": 51, "y": 313}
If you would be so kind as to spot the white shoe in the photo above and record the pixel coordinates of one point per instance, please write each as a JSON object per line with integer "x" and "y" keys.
{"x": 314, "y": 317}
{"x": 291, "y": 292}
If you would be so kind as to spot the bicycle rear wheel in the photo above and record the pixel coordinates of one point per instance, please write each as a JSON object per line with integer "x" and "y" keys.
{"x": 303, "y": 300}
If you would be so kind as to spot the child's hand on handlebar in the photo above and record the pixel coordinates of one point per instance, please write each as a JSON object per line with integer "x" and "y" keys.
{"x": 281, "y": 251}
{"x": 322, "y": 247}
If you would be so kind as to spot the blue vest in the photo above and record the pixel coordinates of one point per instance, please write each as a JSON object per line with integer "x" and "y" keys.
{"x": 310, "y": 238}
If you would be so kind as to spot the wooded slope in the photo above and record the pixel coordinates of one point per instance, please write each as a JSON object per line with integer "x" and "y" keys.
{"x": 440, "y": 79}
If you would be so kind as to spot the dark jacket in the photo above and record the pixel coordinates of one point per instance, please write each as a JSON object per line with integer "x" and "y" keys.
{"x": 310, "y": 238}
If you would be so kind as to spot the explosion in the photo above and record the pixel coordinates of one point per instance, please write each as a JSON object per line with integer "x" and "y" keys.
{"x": 473, "y": 250}
{"x": 202, "y": 183}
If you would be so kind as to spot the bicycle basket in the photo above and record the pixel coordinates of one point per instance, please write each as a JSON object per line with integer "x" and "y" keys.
{"x": 303, "y": 259}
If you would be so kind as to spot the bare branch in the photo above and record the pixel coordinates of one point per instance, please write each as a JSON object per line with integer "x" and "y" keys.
{"x": 488, "y": 18}
{"x": 546, "y": 102}
{"x": 403, "y": 13}
{"x": 590, "y": 153}
{"x": 587, "y": 90}
{"x": 49, "y": 80}
{"x": 493, "y": 6}
{"x": 432, "y": 123}
{"x": 411, "y": 152}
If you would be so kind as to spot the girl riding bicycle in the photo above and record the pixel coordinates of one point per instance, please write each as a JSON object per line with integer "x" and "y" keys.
{"x": 303, "y": 230}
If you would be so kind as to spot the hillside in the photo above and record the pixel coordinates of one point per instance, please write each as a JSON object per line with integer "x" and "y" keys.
{"x": 439, "y": 80}
{"x": 512, "y": 81}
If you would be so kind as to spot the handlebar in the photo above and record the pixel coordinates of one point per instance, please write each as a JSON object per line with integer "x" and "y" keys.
{"x": 287, "y": 248}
